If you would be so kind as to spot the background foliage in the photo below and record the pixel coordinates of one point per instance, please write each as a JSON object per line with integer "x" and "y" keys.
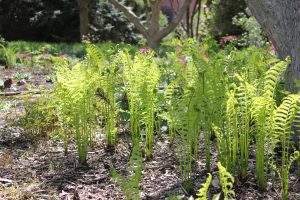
{"x": 45, "y": 20}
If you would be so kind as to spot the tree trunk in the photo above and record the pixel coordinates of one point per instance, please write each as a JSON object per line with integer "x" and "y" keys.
{"x": 84, "y": 16}
{"x": 280, "y": 19}
{"x": 153, "y": 43}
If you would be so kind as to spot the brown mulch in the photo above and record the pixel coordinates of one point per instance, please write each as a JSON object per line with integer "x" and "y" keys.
{"x": 43, "y": 172}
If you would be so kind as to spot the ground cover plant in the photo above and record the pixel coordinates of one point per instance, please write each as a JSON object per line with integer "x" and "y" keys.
{"x": 202, "y": 105}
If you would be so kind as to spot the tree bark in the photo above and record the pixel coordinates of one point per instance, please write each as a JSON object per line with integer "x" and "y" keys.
{"x": 84, "y": 16}
{"x": 280, "y": 19}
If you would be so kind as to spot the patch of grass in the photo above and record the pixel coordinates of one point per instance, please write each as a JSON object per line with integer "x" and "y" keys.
{"x": 72, "y": 49}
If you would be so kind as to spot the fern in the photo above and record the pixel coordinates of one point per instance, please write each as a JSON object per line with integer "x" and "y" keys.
{"x": 77, "y": 95}
{"x": 262, "y": 112}
{"x": 185, "y": 115}
{"x": 171, "y": 104}
{"x": 245, "y": 99}
{"x": 10, "y": 55}
{"x": 194, "y": 101}
{"x": 283, "y": 121}
{"x": 63, "y": 100}
{"x": 131, "y": 185}
{"x": 273, "y": 76}
{"x": 232, "y": 132}
{"x": 244, "y": 95}
{"x": 94, "y": 56}
{"x": 141, "y": 76}
{"x": 226, "y": 181}
{"x": 106, "y": 80}
{"x": 233, "y": 141}
{"x": 202, "y": 192}
{"x": 247, "y": 103}
{"x": 284, "y": 118}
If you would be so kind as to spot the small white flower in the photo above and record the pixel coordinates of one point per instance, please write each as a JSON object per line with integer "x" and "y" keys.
{"x": 188, "y": 58}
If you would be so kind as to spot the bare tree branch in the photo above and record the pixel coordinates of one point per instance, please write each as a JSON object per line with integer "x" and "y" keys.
{"x": 131, "y": 17}
{"x": 152, "y": 34}
{"x": 165, "y": 31}
{"x": 155, "y": 12}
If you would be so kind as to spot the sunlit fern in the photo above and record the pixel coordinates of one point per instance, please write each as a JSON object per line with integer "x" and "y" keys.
{"x": 202, "y": 192}
{"x": 226, "y": 182}
{"x": 284, "y": 118}
{"x": 141, "y": 79}
{"x": 262, "y": 112}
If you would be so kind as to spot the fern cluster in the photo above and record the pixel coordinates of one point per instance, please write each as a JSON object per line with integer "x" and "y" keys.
{"x": 10, "y": 56}
{"x": 250, "y": 100}
{"x": 141, "y": 76}
{"x": 252, "y": 112}
{"x": 262, "y": 112}
{"x": 205, "y": 91}
{"x": 75, "y": 95}
{"x": 194, "y": 100}
{"x": 244, "y": 95}
{"x": 107, "y": 73}
{"x": 78, "y": 92}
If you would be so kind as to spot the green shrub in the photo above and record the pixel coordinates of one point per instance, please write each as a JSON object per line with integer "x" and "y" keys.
{"x": 253, "y": 33}
{"x": 111, "y": 24}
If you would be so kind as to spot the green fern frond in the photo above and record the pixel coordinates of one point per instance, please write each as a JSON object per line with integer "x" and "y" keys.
{"x": 295, "y": 156}
{"x": 273, "y": 76}
{"x": 226, "y": 181}
{"x": 262, "y": 111}
{"x": 285, "y": 116}
{"x": 202, "y": 192}
{"x": 94, "y": 56}
{"x": 130, "y": 185}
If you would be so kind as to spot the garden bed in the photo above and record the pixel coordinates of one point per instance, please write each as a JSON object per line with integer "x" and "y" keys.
{"x": 41, "y": 171}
